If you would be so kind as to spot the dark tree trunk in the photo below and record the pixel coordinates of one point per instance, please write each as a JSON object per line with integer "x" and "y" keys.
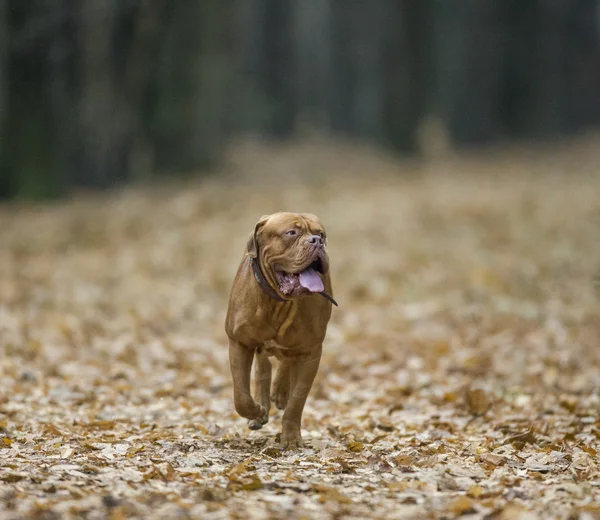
{"x": 360, "y": 31}
{"x": 63, "y": 117}
{"x": 311, "y": 44}
{"x": 4, "y": 84}
{"x": 266, "y": 69}
{"x": 469, "y": 50}
{"x": 279, "y": 67}
{"x": 103, "y": 116}
{"x": 140, "y": 68}
{"x": 342, "y": 82}
{"x": 193, "y": 100}
{"x": 583, "y": 65}
{"x": 4, "y": 65}
{"x": 547, "y": 97}
{"x": 409, "y": 75}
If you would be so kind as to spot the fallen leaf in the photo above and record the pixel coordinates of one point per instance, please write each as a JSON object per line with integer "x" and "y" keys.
{"x": 478, "y": 401}
{"x": 404, "y": 460}
{"x": 251, "y": 484}
{"x": 493, "y": 459}
{"x": 461, "y": 505}
{"x": 12, "y": 477}
{"x": 355, "y": 446}
{"x": 475, "y": 491}
{"x": 327, "y": 494}
{"x": 66, "y": 453}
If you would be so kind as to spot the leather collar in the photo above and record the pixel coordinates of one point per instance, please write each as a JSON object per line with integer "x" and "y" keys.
{"x": 262, "y": 281}
{"x": 268, "y": 290}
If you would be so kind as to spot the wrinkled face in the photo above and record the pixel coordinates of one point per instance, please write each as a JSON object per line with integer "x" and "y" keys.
{"x": 292, "y": 250}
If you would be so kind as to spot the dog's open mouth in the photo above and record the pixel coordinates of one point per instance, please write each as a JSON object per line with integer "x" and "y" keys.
{"x": 307, "y": 280}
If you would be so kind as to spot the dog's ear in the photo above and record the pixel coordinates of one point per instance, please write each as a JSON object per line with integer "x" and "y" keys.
{"x": 252, "y": 247}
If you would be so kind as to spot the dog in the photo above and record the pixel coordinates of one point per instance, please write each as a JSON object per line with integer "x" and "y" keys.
{"x": 280, "y": 304}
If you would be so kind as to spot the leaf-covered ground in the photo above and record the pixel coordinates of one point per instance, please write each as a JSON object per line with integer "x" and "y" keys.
{"x": 461, "y": 372}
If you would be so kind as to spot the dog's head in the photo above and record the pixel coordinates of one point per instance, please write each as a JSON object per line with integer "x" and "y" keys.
{"x": 291, "y": 251}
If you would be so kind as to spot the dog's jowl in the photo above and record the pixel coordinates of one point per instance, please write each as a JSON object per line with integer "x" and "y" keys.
{"x": 279, "y": 308}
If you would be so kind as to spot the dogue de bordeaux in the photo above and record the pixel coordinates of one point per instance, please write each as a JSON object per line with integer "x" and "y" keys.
{"x": 279, "y": 307}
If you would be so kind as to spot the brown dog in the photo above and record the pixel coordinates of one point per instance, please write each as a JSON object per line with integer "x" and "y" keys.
{"x": 274, "y": 310}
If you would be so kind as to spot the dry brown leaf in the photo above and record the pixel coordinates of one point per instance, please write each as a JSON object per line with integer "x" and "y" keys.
{"x": 252, "y": 484}
{"x": 475, "y": 491}
{"x": 355, "y": 446}
{"x": 12, "y": 477}
{"x": 460, "y": 506}
{"x": 237, "y": 470}
{"x": 493, "y": 459}
{"x": 478, "y": 401}
{"x": 50, "y": 429}
{"x": 327, "y": 494}
{"x": 520, "y": 439}
{"x": 385, "y": 424}
{"x": 404, "y": 460}
{"x": 450, "y": 397}
{"x": 66, "y": 452}
{"x": 589, "y": 450}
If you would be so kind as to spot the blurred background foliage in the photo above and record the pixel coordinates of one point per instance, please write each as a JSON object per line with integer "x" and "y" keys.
{"x": 95, "y": 93}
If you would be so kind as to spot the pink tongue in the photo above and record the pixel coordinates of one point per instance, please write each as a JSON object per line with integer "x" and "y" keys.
{"x": 311, "y": 280}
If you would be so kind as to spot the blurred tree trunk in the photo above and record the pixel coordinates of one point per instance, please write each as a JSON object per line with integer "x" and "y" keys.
{"x": 409, "y": 76}
{"x": 138, "y": 77}
{"x": 266, "y": 66}
{"x": 370, "y": 20}
{"x": 102, "y": 113}
{"x": 28, "y": 161}
{"x": 193, "y": 93}
{"x": 5, "y": 189}
{"x": 547, "y": 27}
{"x": 583, "y": 65}
{"x": 360, "y": 30}
{"x": 4, "y": 67}
{"x": 120, "y": 44}
{"x": 469, "y": 56}
{"x": 311, "y": 44}
{"x": 252, "y": 103}
{"x": 279, "y": 70}
{"x": 63, "y": 118}
{"x": 341, "y": 99}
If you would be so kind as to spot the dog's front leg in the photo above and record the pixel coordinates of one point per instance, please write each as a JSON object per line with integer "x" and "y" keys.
{"x": 240, "y": 362}
{"x": 303, "y": 373}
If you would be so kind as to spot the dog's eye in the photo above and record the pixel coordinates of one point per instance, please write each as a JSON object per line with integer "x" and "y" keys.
{"x": 291, "y": 233}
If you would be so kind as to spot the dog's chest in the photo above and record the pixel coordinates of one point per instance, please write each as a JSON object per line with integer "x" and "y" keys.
{"x": 272, "y": 348}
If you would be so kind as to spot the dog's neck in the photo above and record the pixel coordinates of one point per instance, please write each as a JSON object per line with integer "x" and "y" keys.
{"x": 262, "y": 281}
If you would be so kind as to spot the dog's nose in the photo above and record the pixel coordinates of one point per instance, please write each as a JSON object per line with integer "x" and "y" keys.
{"x": 315, "y": 240}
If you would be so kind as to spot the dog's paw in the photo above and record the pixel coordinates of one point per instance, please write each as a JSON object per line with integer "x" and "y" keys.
{"x": 249, "y": 409}
{"x": 280, "y": 397}
{"x": 257, "y": 424}
{"x": 291, "y": 441}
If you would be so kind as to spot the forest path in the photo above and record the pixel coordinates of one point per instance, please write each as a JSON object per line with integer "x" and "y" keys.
{"x": 460, "y": 374}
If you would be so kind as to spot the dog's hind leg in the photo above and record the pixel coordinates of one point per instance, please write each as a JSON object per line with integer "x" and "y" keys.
{"x": 280, "y": 391}
{"x": 262, "y": 387}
